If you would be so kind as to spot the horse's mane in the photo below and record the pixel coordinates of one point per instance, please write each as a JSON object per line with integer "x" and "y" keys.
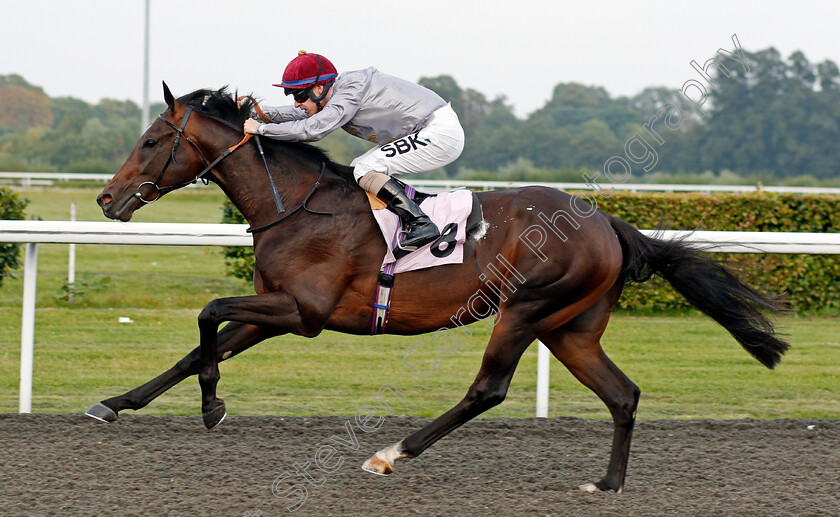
{"x": 221, "y": 104}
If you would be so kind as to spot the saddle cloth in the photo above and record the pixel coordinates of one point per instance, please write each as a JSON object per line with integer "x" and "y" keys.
{"x": 450, "y": 211}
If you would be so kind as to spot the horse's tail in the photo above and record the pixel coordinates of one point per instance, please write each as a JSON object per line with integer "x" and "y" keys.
{"x": 708, "y": 285}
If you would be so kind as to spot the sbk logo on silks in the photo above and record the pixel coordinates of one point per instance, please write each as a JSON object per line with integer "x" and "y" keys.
{"x": 403, "y": 145}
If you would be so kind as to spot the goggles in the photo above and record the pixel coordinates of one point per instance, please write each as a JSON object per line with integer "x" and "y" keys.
{"x": 300, "y": 95}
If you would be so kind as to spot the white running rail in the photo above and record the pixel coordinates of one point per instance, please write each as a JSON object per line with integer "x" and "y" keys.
{"x": 46, "y": 178}
{"x": 32, "y": 233}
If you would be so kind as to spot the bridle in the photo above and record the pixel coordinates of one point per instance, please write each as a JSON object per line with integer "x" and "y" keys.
{"x": 160, "y": 191}
{"x": 209, "y": 165}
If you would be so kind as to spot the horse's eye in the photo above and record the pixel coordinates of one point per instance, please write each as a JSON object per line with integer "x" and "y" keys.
{"x": 148, "y": 144}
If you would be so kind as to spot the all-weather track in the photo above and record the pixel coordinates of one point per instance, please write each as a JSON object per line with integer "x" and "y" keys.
{"x": 70, "y": 465}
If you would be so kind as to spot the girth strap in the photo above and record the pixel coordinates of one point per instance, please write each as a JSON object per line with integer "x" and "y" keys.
{"x": 385, "y": 281}
{"x": 382, "y": 299}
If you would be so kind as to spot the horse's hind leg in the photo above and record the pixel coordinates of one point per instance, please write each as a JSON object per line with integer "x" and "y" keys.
{"x": 489, "y": 389}
{"x": 234, "y": 338}
{"x": 577, "y": 345}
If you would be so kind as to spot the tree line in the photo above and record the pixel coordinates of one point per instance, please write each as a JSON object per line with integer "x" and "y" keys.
{"x": 771, "y": 119}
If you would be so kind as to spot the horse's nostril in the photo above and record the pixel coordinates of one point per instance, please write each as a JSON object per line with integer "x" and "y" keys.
{"x": 104, "y": 199}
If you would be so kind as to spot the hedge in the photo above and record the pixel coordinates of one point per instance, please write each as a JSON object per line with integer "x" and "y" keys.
{"x": 11, "y": 207}
{"x": 811, "y": 282}
{"x": 238, "y": 259}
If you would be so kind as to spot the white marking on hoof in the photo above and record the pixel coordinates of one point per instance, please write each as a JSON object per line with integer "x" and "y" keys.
{"x": 593, "y": 489}
{"x": 382, "y": 463}
{"x": 589, "y": 487}
{"x": 226, "y": 355}
{"x": 378, "y": 466}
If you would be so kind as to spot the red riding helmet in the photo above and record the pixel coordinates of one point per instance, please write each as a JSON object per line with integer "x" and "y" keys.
{"x": 306, "y": 71}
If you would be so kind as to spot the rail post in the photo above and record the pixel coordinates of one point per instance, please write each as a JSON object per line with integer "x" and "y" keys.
{"x": 543, "y": 359}
{"x": 27, "y": 327}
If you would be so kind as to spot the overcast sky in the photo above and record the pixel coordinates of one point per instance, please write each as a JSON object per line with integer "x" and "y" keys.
{"x": 90, "y": 49}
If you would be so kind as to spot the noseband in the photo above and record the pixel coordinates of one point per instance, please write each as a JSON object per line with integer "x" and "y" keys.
{"x": 208, "y": 166}
{"x": 160, "y": 191}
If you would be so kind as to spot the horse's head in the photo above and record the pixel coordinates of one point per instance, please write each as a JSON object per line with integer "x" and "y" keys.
{"x": 164, "y": 159}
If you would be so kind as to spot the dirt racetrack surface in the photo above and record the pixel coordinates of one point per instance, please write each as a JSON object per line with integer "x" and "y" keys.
{"x": 69, "y": 465}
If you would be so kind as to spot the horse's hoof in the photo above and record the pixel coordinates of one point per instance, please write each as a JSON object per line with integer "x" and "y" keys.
{"x": 592, "y": 488}
{"x": 214, "y": 417}
{"x": 378, "y": 466}
{"x": 102, "y": 413}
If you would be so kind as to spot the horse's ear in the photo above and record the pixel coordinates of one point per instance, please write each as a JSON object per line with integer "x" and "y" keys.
{"x": 168, "y": 97}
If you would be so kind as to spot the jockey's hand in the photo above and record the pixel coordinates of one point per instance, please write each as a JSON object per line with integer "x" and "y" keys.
{"x": 251, "y": 126}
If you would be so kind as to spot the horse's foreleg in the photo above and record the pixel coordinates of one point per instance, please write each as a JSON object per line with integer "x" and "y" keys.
{"x": 582, "y": 354}
{"x": 488, "y": 390}
{"x": 232, "y": 339}
{"x": 278, "y": 311}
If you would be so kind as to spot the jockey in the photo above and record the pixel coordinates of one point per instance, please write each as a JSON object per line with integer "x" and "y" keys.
{"x": 415, "y": 129}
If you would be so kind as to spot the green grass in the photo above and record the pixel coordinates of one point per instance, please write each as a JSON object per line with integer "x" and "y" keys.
{"x": 686, "y": 366}
{"x": 135, "y": 276}
{"x": 188, "y": 205}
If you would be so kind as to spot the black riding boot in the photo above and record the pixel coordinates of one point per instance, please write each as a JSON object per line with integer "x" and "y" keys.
{"x": 419, "y": 229}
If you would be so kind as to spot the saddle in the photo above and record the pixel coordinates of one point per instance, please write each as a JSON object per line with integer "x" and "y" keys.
{"x": 458, "y": 215}
{"x": 471, "y": 224}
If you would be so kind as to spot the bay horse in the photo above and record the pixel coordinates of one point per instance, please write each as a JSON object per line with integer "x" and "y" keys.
{"x": 542, "y": 270}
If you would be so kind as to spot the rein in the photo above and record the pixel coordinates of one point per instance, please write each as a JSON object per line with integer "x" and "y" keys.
{"x": 296, "y": 210}
{"x": 277, "y": 202}
{"x": 209, "y": 166}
